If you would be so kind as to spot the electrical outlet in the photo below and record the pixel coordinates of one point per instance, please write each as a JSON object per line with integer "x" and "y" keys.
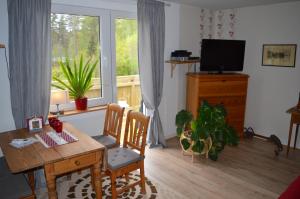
{"x": 2, "y": 46}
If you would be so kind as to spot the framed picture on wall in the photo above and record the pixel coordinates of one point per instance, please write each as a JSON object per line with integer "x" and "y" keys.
{"x": 282, "y": 55}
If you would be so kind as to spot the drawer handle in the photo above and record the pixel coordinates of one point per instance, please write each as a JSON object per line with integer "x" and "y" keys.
{"x": 77, "y": 163}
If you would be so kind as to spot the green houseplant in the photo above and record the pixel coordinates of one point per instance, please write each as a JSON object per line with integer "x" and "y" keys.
{"x": 78, "y": 80}
{"x": 208, "y": 133}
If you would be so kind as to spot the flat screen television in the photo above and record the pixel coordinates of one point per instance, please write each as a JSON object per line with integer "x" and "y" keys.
{"x": 222, "y": 55}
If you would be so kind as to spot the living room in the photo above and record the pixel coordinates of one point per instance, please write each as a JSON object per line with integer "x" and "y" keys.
{"x": 271, "y": 90}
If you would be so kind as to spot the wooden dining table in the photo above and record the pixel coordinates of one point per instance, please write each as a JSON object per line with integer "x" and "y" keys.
{"x": 56, "y": 161}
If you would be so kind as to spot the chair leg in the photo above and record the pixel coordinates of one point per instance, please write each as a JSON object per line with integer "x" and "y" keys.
{"x": 113, "y": 186}
{"x": 142, "y": 174}
{"x": 31, "y": 181}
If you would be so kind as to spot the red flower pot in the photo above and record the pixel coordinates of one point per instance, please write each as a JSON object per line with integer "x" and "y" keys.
{"x": 81, "y": 104}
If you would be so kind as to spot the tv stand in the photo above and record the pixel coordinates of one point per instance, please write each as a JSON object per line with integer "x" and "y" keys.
{"x": 229, "y": 89}
{"x": 218, "y": 73}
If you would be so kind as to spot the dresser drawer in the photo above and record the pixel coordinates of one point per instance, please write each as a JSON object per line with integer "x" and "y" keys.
{"x": 222, "y": 88}
{"x": 235, "y": 113}
{"x": 227, "y": 101}
{"x": 74, "y": 163}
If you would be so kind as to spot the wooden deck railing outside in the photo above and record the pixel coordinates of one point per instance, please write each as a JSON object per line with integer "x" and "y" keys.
{"x": 128, "y": 90}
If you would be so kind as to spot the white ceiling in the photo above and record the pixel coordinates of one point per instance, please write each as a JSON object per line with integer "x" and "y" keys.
{"x": 226, "y": 4}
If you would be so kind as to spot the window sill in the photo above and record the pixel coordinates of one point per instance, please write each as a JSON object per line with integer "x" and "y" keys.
{"x": 77, "y": 112}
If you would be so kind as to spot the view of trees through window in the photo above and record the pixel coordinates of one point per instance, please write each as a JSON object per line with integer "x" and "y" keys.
{"x": 126, "y": 47}
{"x": 76, "y": 35}
{"x": 73, "y": 36}
{"x": 128, "y": 82}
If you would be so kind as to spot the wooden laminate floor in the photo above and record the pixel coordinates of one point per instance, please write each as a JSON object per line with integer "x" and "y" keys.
{"x": 248, "y": 171}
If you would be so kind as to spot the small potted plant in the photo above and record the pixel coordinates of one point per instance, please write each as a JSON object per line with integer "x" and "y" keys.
{"x": 208, "y": 133}
{"x": 78, "y": 80}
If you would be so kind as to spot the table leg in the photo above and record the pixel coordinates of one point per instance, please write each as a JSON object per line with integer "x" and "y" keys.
{"x": 289, "y": 141}
{"x": 97, "y": 180}
{"x": 92, "y": 177}
{"x": 31, "y": 180}
{"x": 295, "y": 142}
{"x": 51, "y": 187}
{"x": 51, "y": 184}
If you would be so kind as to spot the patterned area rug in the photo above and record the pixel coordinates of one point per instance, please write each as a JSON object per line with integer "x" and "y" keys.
{"x": 79, "y": 186}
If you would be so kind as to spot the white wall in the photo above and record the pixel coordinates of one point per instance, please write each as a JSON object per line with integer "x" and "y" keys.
{"x": 6, "y": 119}
{"x": 171, "y": 91}
{"x": 189, "y": 28}
{"x": 189, "y": 39}
{"x": 272, "y": 90}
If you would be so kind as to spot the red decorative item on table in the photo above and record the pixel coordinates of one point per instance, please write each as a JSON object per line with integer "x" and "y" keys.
{"x": 56, "y": 124}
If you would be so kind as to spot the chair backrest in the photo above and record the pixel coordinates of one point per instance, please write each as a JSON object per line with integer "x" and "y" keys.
{"x": 113, "y": 121}
{"x": 136, "y": 131}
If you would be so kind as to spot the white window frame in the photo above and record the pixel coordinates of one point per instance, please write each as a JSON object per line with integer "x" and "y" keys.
{"x": 115, "y": 15}
{"x": 105, "y": 37}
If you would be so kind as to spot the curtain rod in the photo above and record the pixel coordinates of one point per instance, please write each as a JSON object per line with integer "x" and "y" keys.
{"x": 166, "y": 4}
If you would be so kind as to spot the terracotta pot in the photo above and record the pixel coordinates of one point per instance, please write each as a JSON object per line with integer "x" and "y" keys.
{"x": 81, "y": 103}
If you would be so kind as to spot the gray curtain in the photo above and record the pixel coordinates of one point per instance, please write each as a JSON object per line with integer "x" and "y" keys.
{"x": 29, "y": 58}
{"x": 151, "y": 27}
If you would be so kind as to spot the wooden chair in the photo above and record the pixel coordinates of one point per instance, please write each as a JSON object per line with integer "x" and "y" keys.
{"x": 13, "y": 186}
{"x": 130, "y": 157}
{"x": 112, "y": 126}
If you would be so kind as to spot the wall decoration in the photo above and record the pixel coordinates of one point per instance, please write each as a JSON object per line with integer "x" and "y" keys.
{"x": 224, "y": 24}
{"x": 206, "y": 25}
{"x": 219, "y": 24}
{"x": 283, "y": 55}
{"x": 232, "y": 22}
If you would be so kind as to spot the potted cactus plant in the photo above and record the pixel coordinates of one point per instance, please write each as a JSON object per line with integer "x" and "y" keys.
{"x": 78, "y": 80}
{"x": 208, "y": 133}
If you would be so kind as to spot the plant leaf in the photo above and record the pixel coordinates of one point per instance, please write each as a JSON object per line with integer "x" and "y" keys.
{"x": 185, "y": 143}
{"x": 213, "y": 154}
{"x": 198, "y": 146}
{"x": 179, "y": 131}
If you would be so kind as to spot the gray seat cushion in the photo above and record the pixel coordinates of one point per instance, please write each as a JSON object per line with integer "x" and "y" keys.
{"x": 107, "y": 140}
{"x": 13, "y": 186}
{"x": 119, "y": 157}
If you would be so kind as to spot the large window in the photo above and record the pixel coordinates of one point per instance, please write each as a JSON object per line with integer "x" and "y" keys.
{"x": 74, "y": 36}
{"x": 104, "y": 35}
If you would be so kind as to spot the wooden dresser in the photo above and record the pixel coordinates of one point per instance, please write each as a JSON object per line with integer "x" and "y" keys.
{"x": 227, "y": 89}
